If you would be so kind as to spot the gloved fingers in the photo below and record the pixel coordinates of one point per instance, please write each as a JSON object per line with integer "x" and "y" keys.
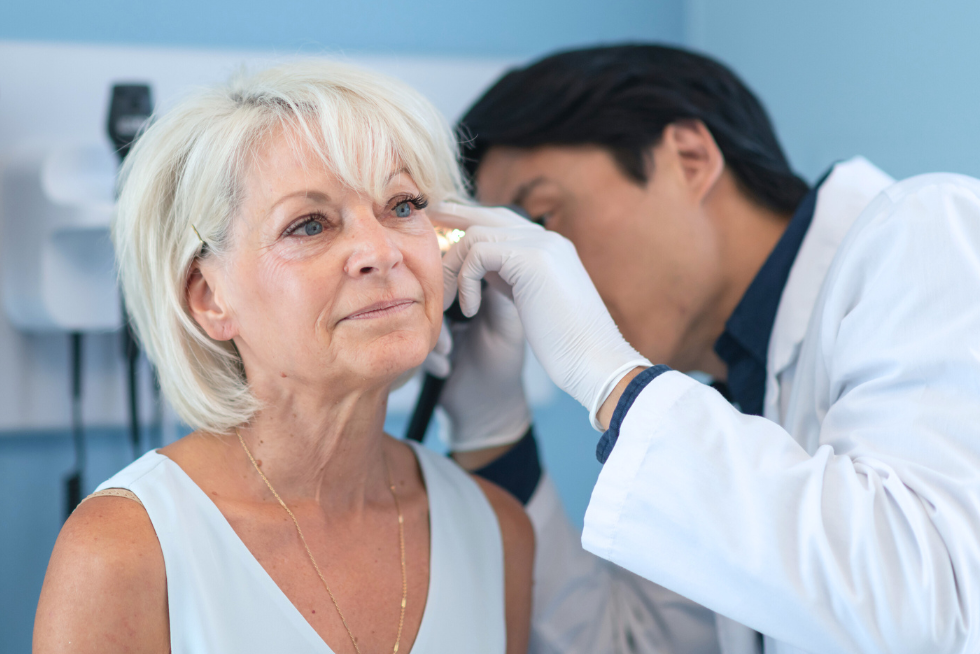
{"x": 501, "y": 314}
{"x": 465, "y": 216}
{"x": 497, "y": 283}
{"x": 449, "y": 283}
{"x": 405, "y": 377}
{"x": 437, "y": 364}
{"x": 483, "y": 257}
{"x": 445, "y": 343}
{"x": 453, "y": 260}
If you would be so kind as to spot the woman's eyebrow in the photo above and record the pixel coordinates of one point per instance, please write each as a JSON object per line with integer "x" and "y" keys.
{"x": 396, "y": 174}
{"x": 316, "y": 196}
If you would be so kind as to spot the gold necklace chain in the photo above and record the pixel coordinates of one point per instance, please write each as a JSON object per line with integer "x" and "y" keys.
{"x": 401, "y": 546}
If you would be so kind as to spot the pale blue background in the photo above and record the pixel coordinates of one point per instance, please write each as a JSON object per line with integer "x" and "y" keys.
{"x": 895, "y": 81}
{"x": 456, "y": 27}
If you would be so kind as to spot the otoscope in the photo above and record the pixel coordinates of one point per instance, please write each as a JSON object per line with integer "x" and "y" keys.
{"x": 129, "y": 111}
{"x": 425, "y": 406}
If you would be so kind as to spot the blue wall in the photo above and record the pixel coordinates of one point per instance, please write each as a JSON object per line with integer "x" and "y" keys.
{"x": 32, "y": 505}
{"x": 898, "y": 82}
{"x": 501, "y": 27}
{"x": 32, "y": 466}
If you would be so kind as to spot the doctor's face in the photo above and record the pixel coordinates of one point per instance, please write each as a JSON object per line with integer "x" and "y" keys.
{"x": 325, "y": 285}
{"x": 650, "y": 249}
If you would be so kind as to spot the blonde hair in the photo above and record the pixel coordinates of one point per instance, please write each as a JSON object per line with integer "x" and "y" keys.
{"x": 186, "y": 172}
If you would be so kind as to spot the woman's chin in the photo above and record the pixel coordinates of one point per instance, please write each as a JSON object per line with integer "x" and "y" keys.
{"x": 390, "y": 362}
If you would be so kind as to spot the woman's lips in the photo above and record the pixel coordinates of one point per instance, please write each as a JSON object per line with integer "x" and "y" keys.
{"x": 380, "y": 309}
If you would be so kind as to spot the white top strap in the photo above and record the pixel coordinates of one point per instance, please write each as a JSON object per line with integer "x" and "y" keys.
{"x": 114, "y": 492}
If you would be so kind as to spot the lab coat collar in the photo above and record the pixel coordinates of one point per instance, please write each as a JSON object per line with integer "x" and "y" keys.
{"x": 849, "y": 188}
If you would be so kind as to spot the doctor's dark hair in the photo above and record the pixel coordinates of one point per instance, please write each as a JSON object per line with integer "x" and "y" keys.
{"x": 621, "y": 98}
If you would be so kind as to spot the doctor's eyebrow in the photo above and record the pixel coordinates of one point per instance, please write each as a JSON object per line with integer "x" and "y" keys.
{"x": 524, "y": 190}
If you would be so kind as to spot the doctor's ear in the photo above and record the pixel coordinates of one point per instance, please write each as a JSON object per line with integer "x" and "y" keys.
{"x": 207, "y": 306}
{"x": 699, "y": 158}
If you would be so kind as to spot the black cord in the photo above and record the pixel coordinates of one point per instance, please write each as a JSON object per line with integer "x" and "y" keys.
{"x": 424, "y": 407}
{"x": 73, "y": 484}
{"x": 131, "y": 352}
{"x": 156, "y": 432}
{"x": 130, "y": 107}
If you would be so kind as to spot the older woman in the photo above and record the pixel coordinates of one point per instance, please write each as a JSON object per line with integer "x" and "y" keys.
{"x": 281, "y": 271}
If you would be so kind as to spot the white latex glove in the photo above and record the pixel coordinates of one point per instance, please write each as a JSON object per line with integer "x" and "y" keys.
{"x": 484, "y": 395}
{"x": 438, "y": 363}
{"x": 567, "y": 324}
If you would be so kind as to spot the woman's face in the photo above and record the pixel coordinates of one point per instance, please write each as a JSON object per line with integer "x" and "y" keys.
{"x": 323, "y": 284}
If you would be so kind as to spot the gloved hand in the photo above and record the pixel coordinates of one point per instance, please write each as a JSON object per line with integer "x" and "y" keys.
{"x": 484, "y": 395}
{"x": 567, "y": 324}
{"x": 436, "y": 363}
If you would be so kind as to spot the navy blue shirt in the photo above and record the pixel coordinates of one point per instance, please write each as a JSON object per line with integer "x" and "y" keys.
{"x": 744, "y": 345}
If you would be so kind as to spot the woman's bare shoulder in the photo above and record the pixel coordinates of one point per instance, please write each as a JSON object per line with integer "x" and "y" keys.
{"x": 518, "y": 540}
{"x": 515, "y": 526}
{"x": 105, "y": 588}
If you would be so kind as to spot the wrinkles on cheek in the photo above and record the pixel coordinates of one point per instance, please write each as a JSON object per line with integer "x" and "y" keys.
{"x": 293, "y": 248}
{"x": 426, "y": 261}
{"x": 420, "y": 226}
{"x": 284, "y": 298}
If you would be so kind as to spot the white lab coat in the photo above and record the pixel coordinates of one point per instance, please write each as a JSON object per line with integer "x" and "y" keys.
{"x": 847, "y": 519}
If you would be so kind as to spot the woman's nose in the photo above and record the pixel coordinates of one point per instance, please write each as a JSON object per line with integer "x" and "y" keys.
{"x": 373, "y": 250}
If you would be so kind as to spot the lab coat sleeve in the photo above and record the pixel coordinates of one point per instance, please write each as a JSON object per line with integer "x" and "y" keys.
{"x": 865, "y": 538}
{"x": 585, "y": 605}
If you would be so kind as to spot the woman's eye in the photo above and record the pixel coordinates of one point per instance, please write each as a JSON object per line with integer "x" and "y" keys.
{"x": 403, "y": 209}
{"x": 312, "y": 228}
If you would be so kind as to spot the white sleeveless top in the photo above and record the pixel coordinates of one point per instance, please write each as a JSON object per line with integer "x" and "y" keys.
{"x": 222, "y": 600}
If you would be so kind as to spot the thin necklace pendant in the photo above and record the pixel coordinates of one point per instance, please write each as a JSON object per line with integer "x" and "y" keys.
{"x": 401, "y": 547}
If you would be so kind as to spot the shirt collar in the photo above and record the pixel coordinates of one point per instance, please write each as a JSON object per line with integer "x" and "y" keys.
{"x": 750, "y": 325}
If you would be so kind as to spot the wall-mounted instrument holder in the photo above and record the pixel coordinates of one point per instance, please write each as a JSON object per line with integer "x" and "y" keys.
{"x": 56, "y": 260}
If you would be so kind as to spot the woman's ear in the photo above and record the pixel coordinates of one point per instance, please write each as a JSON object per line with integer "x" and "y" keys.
{"x": 699, "y": 157}
{"x": 207, "y": 306}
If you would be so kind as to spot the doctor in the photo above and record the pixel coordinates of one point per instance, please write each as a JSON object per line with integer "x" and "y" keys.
{"x": 824, "y": 496}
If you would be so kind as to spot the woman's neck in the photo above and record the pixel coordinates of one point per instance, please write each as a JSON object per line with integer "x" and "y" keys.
{"x": 313, "y": 445}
